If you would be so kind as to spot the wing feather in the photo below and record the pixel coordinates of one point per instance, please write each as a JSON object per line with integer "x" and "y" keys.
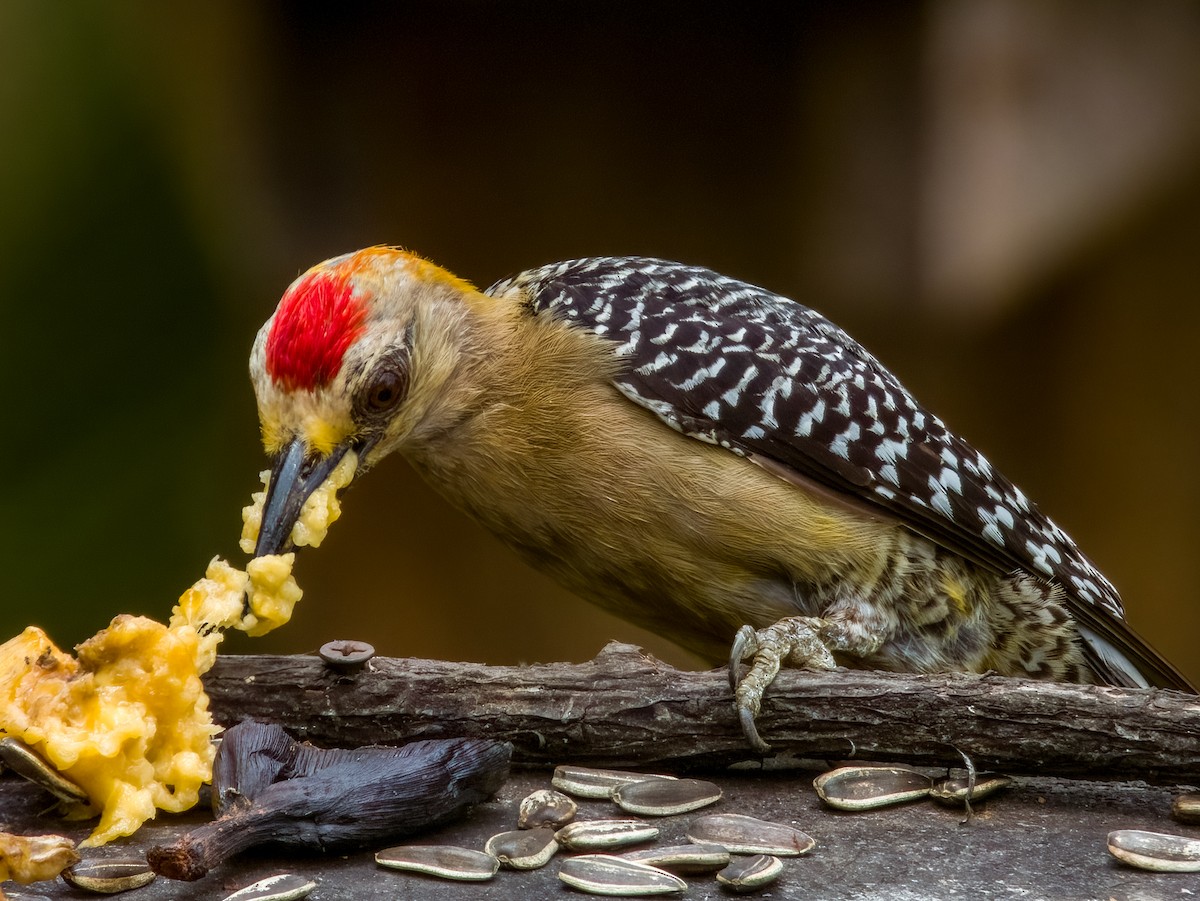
{"x": 773, "y": 380}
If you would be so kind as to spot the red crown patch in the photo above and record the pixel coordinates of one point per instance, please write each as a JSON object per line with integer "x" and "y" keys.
{"x": 318, "y": 319}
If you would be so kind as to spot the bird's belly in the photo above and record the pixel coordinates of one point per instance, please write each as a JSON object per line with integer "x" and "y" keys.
{"x": 689, "y": 575}
{"x": 698, "y": 610}
{"x": 683, "y": 538}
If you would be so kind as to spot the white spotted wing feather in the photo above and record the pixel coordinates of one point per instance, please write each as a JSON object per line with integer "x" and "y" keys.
{"x": 770, "y": 379}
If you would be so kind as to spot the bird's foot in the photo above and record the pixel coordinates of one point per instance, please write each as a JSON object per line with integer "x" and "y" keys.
{"x": 795, "y": 641}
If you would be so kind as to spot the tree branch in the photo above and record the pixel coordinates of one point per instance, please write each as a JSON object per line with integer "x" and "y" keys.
{"x": 627, "y": 709}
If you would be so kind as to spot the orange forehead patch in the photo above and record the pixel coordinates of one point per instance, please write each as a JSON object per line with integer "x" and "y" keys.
{"x": 380, "y": 259}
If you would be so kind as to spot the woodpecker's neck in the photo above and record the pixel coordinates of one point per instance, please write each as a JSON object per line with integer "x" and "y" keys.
{"x": 516, "y": 390}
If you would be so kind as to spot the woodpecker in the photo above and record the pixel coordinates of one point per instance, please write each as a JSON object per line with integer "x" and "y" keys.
{"x": 708, "y": 459}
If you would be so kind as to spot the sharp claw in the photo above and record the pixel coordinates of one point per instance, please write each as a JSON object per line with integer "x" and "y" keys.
{"x": 745, "y": 644}
{"x": 738, "y": 653}
{"x": 750, "y": 730}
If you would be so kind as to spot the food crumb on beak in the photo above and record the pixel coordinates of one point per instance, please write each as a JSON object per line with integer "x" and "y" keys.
{"x": 321, "y": 509}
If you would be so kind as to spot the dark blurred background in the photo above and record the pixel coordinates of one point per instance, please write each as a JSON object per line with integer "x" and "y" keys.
{"x": 1001, "y": 199}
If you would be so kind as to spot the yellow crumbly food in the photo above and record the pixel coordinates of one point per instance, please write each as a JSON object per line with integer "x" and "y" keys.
{"x": 127, "y": 720}
{"x": 254, "y": 601}
{"x": 320, "y": 510}
{"x": 127, "y": 717}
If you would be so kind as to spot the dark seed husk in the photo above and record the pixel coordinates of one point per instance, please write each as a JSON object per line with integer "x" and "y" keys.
{"x": 109, "y": 876}
{"x": 665, "y": 797}
{"x": 870, "y": 787}
{"x": 587, "y": 782}
{"x": 1156, "y": 851}
{"x": 602, "y": 874}
{"x": 444, "y": 861}
{"x": 693, "y": 858}
{"x": 1186, "y": 808}
{"x": 25, "y": 761}
{"x": 274, "y": 789}
{"x": 741, "y": 834}
{"x": 282, "y": 887}
{"x": 749, "y": 874}
{"x": 605, "y": 835}
{"x": 523, "y": 849}
{"x": 953, "y": 790}
{"x": 546, "y": 807}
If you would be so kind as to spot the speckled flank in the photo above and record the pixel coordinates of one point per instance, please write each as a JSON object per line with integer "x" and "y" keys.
{"x": 737, "y": 366}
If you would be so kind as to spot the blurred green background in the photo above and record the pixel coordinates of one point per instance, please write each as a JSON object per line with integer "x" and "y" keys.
{"x": 1001, "y": 199}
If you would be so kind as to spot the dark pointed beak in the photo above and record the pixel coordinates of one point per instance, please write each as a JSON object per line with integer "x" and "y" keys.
{"x": 296, "y": 473}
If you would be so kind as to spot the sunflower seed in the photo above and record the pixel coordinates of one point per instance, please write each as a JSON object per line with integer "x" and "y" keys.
{"x": 694, "y": 858}
{"x": 586, "y": 782}
{"x": 750, "y": 873}
{"x": 446, "y": 861}
{"x": 546, "y": 807}
{"x": 25, "y": 761}
{"x": 1186, "y": 808}
{"x": 109, "y": 876}
{"x": 870, "y": 787}
{"x": 605, "y": 835}
{"x": 741, "y": 834}
{"x": 601, "y": 874}
{"x": 665, "y": 797}
{"x": 523, "y": 849}
{"x": 281, "y": 887}
{"x": 1155, "y": 850}
{"x": 952, "y": 791}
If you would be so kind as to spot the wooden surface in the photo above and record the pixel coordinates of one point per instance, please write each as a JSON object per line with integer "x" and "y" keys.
{"x": 1043, "y": 839}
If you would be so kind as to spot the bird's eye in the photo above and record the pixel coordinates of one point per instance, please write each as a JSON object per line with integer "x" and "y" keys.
{"x": 386, "y": 391}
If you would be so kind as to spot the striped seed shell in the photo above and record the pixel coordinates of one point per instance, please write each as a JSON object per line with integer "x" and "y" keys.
{"x": 23, "y": 760}
{"x": 871, "y": 787}
{"x": 1186, "y": 808}
{"x": 602, "y": 874}
{"x": 523, "y": 849}
{"x": 443, "y": 861}
{"x": 665, "y": 797}
{"x": 281, "y": 887}
{"x": 1157, "y": 851}
{"x": 749, "y": 874}
{"x": 605, "y": 835}
{"x": 545, "y": 807}
{"x": 109, "y": 876}
{"x": 693, "y": 858}
{"x": 952, "y": 791}
{"x": 741, "y": 834}
{"x": 588, "y": 782}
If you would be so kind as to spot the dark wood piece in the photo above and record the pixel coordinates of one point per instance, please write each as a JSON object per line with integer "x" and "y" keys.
{"x": 627, "y": 709}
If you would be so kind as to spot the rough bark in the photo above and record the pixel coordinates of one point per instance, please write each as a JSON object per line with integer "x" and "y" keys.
{"x": 627, "y": 709}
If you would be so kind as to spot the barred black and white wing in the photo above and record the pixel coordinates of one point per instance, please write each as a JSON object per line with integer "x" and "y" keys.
{"x": 725, "y": 362}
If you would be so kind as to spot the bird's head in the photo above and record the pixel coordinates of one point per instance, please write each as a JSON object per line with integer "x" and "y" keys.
{"x": 355, "y": 357}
